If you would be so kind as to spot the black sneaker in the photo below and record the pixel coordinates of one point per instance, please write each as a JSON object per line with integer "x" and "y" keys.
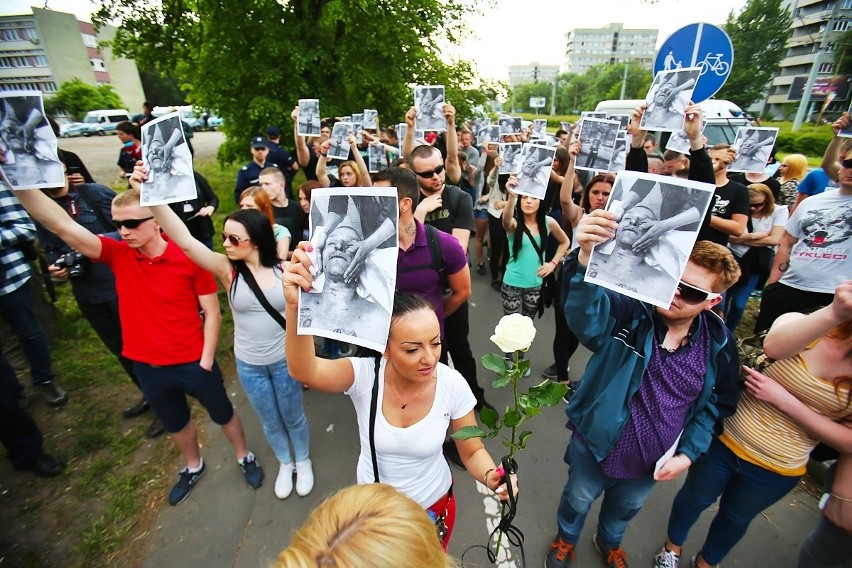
{"x": 252, "y": 470}
{"x": 137, "y": 409}
{"x": 480, "y": 268}
{"x": 186, "y": 481}
{"x": 52, "y": 393}
{"x": 561, "y": 554}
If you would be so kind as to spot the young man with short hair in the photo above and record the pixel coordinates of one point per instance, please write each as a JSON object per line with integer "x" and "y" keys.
{"x": 286, "y": 211}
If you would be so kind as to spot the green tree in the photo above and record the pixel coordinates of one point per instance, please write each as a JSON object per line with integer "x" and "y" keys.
{"x": 521, "y": 96}
{"x": 77, "y": 98}
{"x": 759, "y": 34}
{"x": 161, "y": 90}
{"x": 252, "y": 61}
{"x": 843, "y": 53}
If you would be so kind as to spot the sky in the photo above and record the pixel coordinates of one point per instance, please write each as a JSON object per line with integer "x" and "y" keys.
{"x": 518, "y": 32}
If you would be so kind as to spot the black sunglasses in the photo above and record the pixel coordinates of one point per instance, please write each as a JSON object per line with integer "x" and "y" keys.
{"x": 757, "y": 205}
{"x": 129, "y": 223}
{"x": 430, "y": 173}
{"x": 846, "y": 163}
{"x": 234, "y": 239}
{"x": 695, "y": 295}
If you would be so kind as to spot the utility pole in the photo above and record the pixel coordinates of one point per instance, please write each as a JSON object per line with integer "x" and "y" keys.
{"x": 806, "y": 96}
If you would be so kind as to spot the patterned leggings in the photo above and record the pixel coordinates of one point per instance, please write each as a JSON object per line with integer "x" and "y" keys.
{"x": 522, "y": 301}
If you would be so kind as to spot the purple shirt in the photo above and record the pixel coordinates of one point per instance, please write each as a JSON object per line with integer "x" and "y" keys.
{"x": 671, "y": 384}
{"x": 426, "y": 281}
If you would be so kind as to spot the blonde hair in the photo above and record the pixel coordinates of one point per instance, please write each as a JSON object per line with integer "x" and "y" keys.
{"x": 718, "y": 260}
{"x": 127, "y": 198}
{"x": 756, "y": 189}
{"x": 355, "y": 170}
{"x": 797, "y": 167}
{"x": 366, "y": 526}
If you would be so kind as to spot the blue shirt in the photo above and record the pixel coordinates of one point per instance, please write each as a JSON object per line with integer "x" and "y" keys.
{"x": 815, "y": 182}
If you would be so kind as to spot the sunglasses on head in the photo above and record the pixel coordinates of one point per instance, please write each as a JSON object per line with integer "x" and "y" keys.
{"x": 234, "y": 239}
{"x": 431, "y": 173}
{"x": 846, "y": 163}
{"x": 694, "y": 295}
{"x": 129, "y": 223}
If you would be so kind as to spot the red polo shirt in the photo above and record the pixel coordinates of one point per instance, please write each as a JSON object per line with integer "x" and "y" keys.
{"x": 158, "y": 302}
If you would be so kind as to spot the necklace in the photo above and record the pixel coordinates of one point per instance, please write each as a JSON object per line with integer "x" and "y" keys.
{"x": 399, "y": 400}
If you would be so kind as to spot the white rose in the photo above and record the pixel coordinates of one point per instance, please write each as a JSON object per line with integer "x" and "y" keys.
{"x": 513, "y": 333}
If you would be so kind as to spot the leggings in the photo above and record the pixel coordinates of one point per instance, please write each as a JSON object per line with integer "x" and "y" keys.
{"x": 498, "y": 245}
{"x": 522, "y": 301}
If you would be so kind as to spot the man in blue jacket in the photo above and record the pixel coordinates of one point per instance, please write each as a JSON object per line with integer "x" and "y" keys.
{"x": 658, "y": 382}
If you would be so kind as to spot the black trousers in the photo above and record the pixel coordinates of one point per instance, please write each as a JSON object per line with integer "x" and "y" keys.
{"x": 18, "y": 431}
{"x": 457, "y": 345}
{"x": 565, "y": 343}
{"x": 104, "y": 320}
{"x": 778, "y": 299}
{"x": 498, "y": 248}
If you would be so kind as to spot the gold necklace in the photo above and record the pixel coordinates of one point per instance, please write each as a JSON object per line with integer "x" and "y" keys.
{"x": 405, "y": 404}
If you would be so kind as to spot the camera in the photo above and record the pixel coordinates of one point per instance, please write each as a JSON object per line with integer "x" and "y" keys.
{"x": 74, "y": 262}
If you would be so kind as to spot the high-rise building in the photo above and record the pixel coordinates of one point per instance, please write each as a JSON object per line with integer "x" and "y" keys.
{"x": 532, "y": 73}
{"x": 43, "y": 50}
{"x": 816, "y": 24}
{"x": 586, "y": 47}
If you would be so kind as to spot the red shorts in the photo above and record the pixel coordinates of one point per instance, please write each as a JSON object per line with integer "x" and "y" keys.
{"x": 446, "y": 507}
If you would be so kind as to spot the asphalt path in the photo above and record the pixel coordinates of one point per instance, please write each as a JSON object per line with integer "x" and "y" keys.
{"x": 224, "y": 523}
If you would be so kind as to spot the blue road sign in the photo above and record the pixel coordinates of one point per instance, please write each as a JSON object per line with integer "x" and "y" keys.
{"x": 699, "y": 45}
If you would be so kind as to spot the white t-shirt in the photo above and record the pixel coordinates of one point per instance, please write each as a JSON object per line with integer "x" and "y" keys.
{"x": 764, "y": 224}
{"x": 409, "y": 459}
{"x": 819, "y": 262}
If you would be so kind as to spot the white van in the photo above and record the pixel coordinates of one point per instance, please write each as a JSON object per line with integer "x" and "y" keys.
{"x": 102, "y": 122}
{"x": 723, "y": 117}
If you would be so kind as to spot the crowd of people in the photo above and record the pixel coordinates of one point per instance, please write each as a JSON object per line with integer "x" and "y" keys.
{"x": 663, "y": 395}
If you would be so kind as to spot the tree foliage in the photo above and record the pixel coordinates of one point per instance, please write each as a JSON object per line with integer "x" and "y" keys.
{"x": 77, "y": 98}
{"x": 843, "y": 53}
{"x": 759, "y": 34}
{"x": 252, "y": 61}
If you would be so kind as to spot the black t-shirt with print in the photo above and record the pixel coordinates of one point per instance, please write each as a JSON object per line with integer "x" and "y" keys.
{"x": 728, "y": 200}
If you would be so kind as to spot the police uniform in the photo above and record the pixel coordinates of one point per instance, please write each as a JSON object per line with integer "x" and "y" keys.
{"x": 249, "y": 175}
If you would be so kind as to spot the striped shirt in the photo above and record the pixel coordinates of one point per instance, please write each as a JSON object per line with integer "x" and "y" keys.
{"x": 16, "y": 228}
{"x": 760, "y": 434}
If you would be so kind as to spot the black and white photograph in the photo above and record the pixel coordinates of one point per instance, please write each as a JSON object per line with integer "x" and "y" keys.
{"x": 566, "y": 126}
{"x": 339, "y": 141}
{"x": 592, "y": 114}
{"x": 309, "y": 117}
{"x": 357, "y": 128}
{"x": 357, "y": 119}
{"x": 376, "y": 157}
{"x": 753, "y": 146}
{"x": 347, "y": 118}
{"x": 509, "y": 125}
{"x": 401, "y": 129}
{"x": 489, "y": 135}
{"x": 622, "y": 119}
{"x": 679, "y": 141}
{"x": 534, "y": 174}
{"x": 512, "y": 157}
{"x": 619, "y": 153}
{"x": 539, "y": 128}
{"x": 29, "y": 143}
{"x": 597, "y": 139}
{"x": 166, "y": 155}
{"x": 658, "y": 221}
{"x": 667, "y": 98}
{"x": 846, "y": 132}
{"x": 429, "y": 102}
{"x": 371, "y": 119}
{"x": 354, "y": 234}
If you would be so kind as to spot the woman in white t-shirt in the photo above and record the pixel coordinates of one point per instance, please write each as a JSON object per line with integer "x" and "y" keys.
{"x": 762, "y": 236}
{"x": 418, "y": 400}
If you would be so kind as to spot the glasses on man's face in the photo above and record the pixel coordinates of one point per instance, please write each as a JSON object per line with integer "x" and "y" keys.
{"x": 129, "y": 223}
{"x": 234, "y": 239}
{"x": 693, "y": 294}
{"x": 430, "y": 173}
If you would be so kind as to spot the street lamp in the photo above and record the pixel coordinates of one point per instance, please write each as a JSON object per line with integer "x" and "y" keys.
{"x": 553, "y": 95}
{"x": 624, "y": 79}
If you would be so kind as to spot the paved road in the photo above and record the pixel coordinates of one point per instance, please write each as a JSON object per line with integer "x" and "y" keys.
{"x": 223, "y": 523}
{"x": 100, "y": 153}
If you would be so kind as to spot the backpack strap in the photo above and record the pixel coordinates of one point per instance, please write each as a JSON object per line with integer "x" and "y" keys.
{"x": 434, "y": 243}
{"x": 374, "y": 400}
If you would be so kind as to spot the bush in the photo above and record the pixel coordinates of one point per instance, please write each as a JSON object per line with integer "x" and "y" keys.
{"x": 809, "y": 143}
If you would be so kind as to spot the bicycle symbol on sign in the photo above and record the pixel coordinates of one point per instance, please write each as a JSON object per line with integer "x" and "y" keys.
{"x": 714, "y": 63}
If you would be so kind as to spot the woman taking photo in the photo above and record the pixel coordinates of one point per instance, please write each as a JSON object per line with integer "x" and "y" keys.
{"x": 250, "y": 266}
{"x": 417, "y": 398}
{"x": 754, "y": 249}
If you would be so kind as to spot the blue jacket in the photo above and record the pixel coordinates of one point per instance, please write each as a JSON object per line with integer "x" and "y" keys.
{"x": 620, "y": 332}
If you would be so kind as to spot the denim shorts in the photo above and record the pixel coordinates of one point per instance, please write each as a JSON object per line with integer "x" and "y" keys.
{"x": 480, "y": 213}
{"x": 165, "y": 388}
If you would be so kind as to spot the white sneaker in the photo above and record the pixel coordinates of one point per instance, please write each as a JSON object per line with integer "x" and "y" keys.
{"x": 304, "y": 478}
{"x": 666, "y": 559}
{"x": 284, "y": 482}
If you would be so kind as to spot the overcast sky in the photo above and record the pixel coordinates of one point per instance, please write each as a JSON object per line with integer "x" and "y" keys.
{"x": 517, "y": 32}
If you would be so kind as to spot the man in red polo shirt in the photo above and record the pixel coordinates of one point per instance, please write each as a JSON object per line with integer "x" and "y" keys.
{"x": 159, "y": 294}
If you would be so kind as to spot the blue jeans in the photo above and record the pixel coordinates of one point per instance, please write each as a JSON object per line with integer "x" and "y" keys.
{"x": 277, "y": 400}
{"x": 17, "y": 308}
{"x": 586, "y": 482}
{"x": 746, "y": 490}
{"x": 736, "y": 299}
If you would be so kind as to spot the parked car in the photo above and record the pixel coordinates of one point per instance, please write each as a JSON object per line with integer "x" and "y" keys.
{"x": 105, "y": 121}
{"x": 80, "y": 129}
{"x": 214, "y": 122}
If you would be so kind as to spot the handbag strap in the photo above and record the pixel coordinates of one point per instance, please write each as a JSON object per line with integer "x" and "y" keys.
{"x": 374, "y": 400}
{"x": 243, "y": 271}
{"x": 537, "y": 248}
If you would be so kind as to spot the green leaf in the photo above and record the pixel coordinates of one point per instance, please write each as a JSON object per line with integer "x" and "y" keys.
{"x": 553, "y": 393}
{"x": 494, "y": 362}
{"x": 501, "y": 381}
{"x": 508, "y": 444}
{"x": 488, "y": 417}
{"x": 523, "y": 366}
{"x": 532, "y": 411}
{"x": 522, "y": 439}
{"x": 468, "y": 432}
{"x": 512, "y": 418}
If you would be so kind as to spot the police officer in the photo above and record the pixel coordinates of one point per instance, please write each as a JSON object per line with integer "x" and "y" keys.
{"x": 249, "y": 173}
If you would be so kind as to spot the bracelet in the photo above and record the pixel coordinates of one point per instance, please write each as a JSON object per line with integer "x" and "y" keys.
{"x": 485, "y": 477}
{"x": 835, "y": 495}
{"x": 553, "y": 262}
